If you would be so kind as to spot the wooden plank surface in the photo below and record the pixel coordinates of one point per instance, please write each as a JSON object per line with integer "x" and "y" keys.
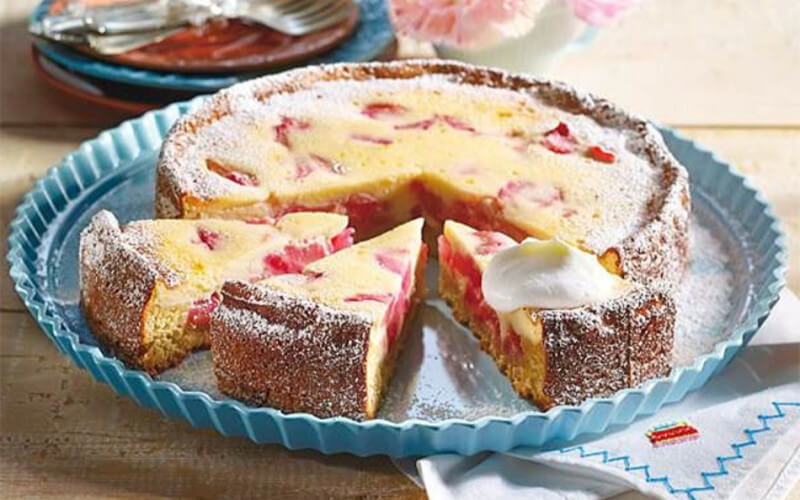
{"x": 690, "y": 62}
{"x": 64, "y": 435}
{"x": 724, "y": 70}
{"x": 721, "y": 62}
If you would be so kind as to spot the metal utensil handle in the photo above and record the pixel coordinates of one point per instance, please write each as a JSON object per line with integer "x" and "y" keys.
{"x": 125, "y": 26}
{"x": 134, "y": 18}
{"x": 118, "y": 44}
{"x": 62, "y": 24}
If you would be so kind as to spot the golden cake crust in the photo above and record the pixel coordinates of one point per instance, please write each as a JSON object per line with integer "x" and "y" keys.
{"x": 600, "y": 349}
{"x": 271, "y": 348}
{"x": 295, "y": 355}
{"x": 590, "y": 351}
{"x": 657, "y": 252}
{"x": 117, "y": 283}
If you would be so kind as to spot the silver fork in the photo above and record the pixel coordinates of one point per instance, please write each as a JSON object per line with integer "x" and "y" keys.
{"x": 301, "y": 17}
{"x": 127, "y": 28}
{"x": 297, "y": 17}
{"x": 119, "y": 44}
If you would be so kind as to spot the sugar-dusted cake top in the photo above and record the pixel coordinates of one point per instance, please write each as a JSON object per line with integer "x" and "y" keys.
{"x": 366, "y": 278}
{"x": 193, "y": 256}
{"x": 553, "y": 172}
{"x": 480, "y": 245}
{"x": 536, "y": 156}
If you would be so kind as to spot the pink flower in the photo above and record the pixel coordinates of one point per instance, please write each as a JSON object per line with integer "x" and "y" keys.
{"x": 464, "y": 23}
{"x": 601, "y": 12}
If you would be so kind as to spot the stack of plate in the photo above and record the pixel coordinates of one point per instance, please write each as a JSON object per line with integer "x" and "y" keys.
{"x": 204, "y": 60}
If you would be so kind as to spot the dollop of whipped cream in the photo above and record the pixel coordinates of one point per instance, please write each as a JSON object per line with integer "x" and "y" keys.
{"x": 547, "y": 274}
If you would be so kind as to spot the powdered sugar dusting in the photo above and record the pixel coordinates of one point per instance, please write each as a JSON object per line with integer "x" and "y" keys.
{"x": 706, "y": 298}
{"x": 443, "y": 373}
{"x": 273, "y": 347}
{"x": 647, "y": 188}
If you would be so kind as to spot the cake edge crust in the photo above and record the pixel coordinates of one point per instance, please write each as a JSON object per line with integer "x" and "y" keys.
{"x": 565, "y": 331}
{"x": 263, "y": 361}
{"x": 257, "y": 304}
{"x": 635, "y": 329}
{"x": 116, "y": 285}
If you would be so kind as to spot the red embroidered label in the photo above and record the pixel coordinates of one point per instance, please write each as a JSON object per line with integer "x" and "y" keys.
{"x": 672, "y": 433}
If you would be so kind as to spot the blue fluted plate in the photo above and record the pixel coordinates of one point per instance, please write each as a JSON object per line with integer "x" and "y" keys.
{"x": 373, "y": 35}
{"x": 447, "y": 396}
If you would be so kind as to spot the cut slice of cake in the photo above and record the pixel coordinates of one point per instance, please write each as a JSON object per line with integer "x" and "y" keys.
{"x": 587, "y": 341}
{"x": 148, "y": 287}
{"x": 325, "y": 340}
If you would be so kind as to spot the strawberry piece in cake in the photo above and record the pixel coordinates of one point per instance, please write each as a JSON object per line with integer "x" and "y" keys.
{"x": 325, "y": 345}
{"x": 149, "y": 288}
{"x": 600, "y": 154}
{"x": 557, "y": 354}
{"x": 287, "y": 126}
{"x": 560, "y": 140}
{"x": 228, "y": 173}
{"x": 378, "y": 110}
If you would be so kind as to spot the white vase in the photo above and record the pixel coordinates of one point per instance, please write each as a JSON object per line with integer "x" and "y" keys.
{"x": 556, "y": 31}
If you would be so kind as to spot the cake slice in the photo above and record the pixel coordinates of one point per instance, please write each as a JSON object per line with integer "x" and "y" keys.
{"x": 148, "y": 288}
{"x": 557, "y": 355}
{"x": 325, "y": 340}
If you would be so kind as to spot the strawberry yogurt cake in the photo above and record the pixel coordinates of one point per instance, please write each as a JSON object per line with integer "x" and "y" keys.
{"x": 557, "y": 323}
{"x": 562, "y": 224}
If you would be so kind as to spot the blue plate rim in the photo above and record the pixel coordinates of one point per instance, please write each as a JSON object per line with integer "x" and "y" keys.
{"x": 105, "y": 70}
{"x": 20, "y": 249}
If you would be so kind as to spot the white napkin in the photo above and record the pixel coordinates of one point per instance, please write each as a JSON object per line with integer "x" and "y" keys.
{"x": 748, "y": 418}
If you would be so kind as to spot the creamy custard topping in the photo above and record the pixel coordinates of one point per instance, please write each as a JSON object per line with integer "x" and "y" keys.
{"x": 501, "y": 153}
{"x": 203, "y": 254}
{"x": 547, "y": 274}
{"x": 365, "y": 278}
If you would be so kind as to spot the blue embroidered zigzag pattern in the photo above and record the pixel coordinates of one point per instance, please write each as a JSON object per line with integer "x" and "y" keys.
{"x": 721, "y": 460}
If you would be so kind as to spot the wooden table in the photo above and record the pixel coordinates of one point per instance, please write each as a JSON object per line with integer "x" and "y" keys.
{"x": 724, "y": 72}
